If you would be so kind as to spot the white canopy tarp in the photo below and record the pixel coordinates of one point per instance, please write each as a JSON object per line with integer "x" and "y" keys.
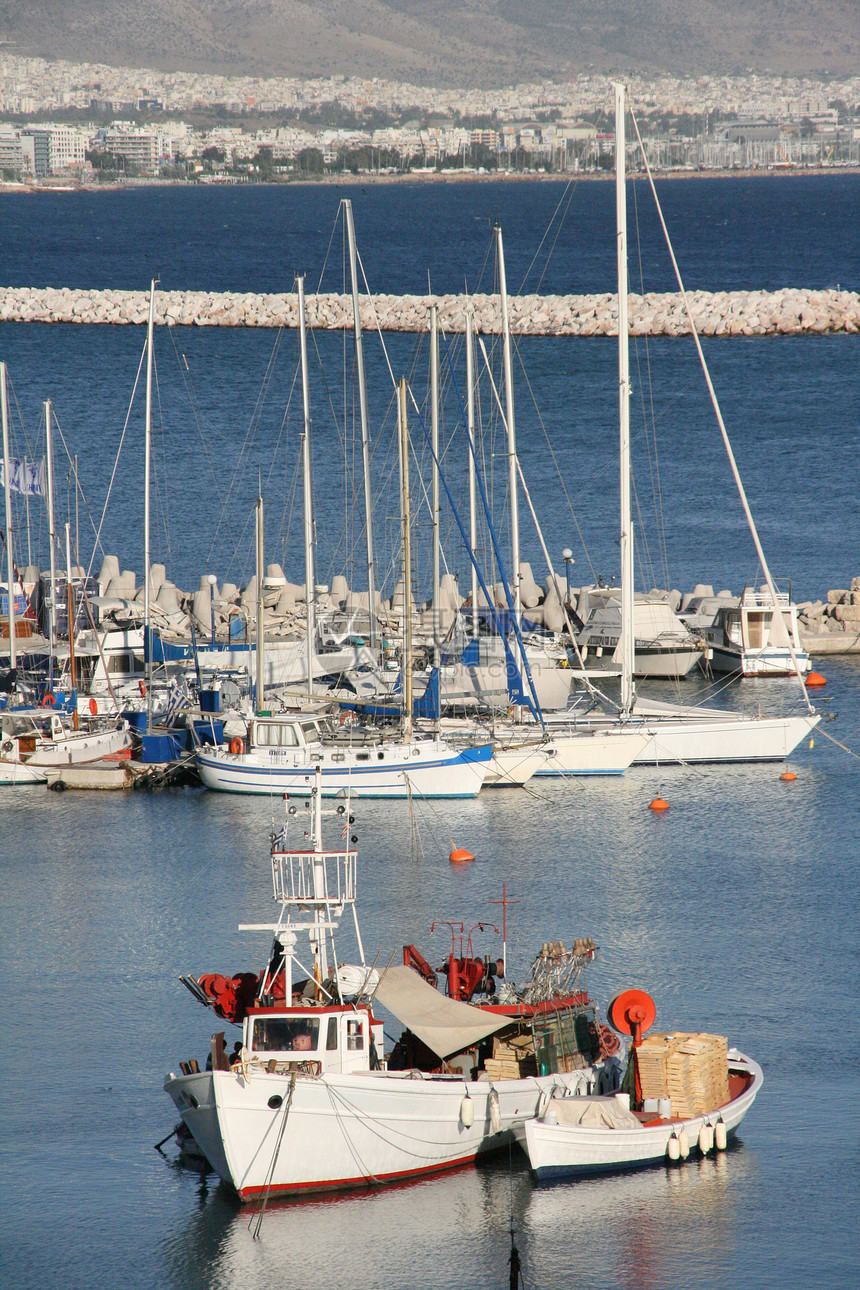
{"x": 445, "y": 1025}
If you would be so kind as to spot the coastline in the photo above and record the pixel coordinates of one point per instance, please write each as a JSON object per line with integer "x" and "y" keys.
{"x": 343, "y": 180}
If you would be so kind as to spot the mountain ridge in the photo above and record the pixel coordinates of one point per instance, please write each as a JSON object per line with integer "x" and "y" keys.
{"x": 483, "y": 43}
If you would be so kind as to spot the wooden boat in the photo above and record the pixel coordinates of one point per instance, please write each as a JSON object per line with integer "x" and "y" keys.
{"x": 313, "y": 1102}
{"x": 705, "y": 1091}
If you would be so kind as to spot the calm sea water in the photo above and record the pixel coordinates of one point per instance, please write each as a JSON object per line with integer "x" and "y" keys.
{"x": 738, "y": 910}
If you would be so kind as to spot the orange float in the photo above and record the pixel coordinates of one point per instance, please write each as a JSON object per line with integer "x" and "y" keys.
{"x": 658, "y": 804}
{"x": 460, "y": 856}
{"x": 815, "y": 679}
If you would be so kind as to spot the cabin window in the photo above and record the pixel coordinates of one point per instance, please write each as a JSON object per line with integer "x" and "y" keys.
{"x": 310, "y": 730}
{"x": 331, "y": 1036}
{"x": 277, "y": 736}
{"x": 362, "y": 756}
{"x": 354, "y": 1036}
{"x": 285, "y": 1034}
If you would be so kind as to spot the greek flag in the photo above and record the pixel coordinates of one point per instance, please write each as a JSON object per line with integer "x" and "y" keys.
{"x": 25, "y": 477}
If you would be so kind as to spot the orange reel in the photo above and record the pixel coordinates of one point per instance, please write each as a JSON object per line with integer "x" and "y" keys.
{"x": 632, "y": 1012}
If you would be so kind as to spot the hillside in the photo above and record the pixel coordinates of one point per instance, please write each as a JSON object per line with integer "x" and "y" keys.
{"x": 473, "y": 42}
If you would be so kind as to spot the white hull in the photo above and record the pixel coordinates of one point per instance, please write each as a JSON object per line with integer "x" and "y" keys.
{"x": 347, "y": 1130}
{"x": 77, "y": 749}
{"x": 730, "y": 740}
{"x": 669, "y": 665}
{"x": 696, "y": 736}
{"x": 18, "y": 772}
{"x": 429, "y": 769}
{"x": 514, "y": 766}
{"x": 766, "y": 662}
{"x": 591, "y": 752}
{"x": 564, "y": 1150}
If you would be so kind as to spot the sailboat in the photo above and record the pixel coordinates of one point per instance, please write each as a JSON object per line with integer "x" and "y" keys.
{"x": 282, "y": 751}
{"x": 675, "y": 734}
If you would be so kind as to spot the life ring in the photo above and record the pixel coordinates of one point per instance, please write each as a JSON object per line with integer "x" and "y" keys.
{"x": 94, "y": 707}
{"x": 237, "y": 746}
{"x": 48, "y": 701}
{"x": 141, "y": 685}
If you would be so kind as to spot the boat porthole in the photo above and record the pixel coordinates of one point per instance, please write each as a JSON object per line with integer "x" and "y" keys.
{"x": 275, "y": 1101}
{"x": 193, "y": 1100}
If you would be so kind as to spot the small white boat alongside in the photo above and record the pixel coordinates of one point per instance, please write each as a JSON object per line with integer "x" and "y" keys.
{"x": 700, "y": 1091}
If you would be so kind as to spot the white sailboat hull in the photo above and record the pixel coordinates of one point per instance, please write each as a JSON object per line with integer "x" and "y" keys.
{"x": 566, "y": 1150}
{"x": 591, "y": 752}
{"x": 430, "y": 769}
{"x": 730, "y": 740}
{"x": 348, "y": 1130}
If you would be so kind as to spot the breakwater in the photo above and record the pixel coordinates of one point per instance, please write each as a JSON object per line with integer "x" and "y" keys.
{"x": 789, "y": 311}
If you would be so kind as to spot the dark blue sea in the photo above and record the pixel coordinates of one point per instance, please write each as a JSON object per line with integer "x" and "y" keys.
{"x": 737, "y": 910}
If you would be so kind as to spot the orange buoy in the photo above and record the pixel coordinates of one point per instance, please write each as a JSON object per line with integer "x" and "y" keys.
{"x": 460, "y": 856}
{"x": 94, "y": 707}
{"x": 788, "y": 775}
{"x": 815, "y": 679}
{"x": 658, "y": 804}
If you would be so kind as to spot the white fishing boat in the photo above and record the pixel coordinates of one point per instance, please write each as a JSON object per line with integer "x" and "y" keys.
{"x": 312, "y": 1101}
{"x": 714, "y": 1087}
{"x": 756, "y": 637}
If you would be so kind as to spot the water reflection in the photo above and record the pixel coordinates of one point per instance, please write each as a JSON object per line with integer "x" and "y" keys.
{"x": 657, "y": 1227}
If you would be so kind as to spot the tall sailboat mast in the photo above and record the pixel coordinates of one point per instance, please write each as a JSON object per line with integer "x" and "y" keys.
{"x": 260, "y": 634}
{"x": 626, "y": 642}
{"x": 434, "y": 490}
{"x": 470, "y": 425}
{"x": 52, "y": 536}
{"x": 365, "y": 431}
{"x": 70, "y": 602}
{"x": 147, "y": 628}
{"x": 306, "y": 484}
{"x": 406, "y": 667}
{"x": 511, "y": 426}
{"x": 7, "y": 489}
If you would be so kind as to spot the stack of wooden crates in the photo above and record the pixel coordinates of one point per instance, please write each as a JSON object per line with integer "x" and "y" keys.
{"x": 513, "y": 1057}
{"x": 691, "y": 1069}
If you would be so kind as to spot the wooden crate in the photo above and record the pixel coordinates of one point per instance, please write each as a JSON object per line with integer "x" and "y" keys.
{"x": 690, "y": 1068}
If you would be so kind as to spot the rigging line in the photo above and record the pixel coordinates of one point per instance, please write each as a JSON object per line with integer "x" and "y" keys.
{"x": 253, "y": 425}
{"x": 184, "y": 372}
{"x": 650, "y": 417}
{"x": 265, "y": 1201}
{"x": 568, "y": 189}
{"x": 162, "y": 497}
{"x": 79, "y": 492}
{"x": 849, "y": 751}
{"x": 558, "y": 470}
{"x": 718, "y": 413}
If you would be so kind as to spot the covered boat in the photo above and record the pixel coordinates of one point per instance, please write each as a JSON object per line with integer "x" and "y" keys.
{"x": 681, "y": 1090}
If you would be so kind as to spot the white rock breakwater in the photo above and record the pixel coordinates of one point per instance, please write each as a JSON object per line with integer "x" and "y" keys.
{"x": 721, "y": 313}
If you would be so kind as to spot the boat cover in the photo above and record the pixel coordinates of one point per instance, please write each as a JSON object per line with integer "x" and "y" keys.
{"x": 594, "y": 1113}
{"x": 445, "y": 1025}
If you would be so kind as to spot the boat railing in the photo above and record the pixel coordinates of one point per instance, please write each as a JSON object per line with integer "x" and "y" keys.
{"x": 314, "y": 878}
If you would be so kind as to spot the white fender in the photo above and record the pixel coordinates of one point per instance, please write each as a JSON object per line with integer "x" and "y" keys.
{"x": 684, "y": 1143}
{"x": 720, "y": 1135}
{"x": 673, "y": 1148}
{"x": 467, "y": 1111}
{"x": 495, "y": 1112}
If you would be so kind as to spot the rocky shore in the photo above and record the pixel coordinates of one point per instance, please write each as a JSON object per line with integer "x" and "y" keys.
{"x": 832, "y": 626}
{"x": 723, "y": 313}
